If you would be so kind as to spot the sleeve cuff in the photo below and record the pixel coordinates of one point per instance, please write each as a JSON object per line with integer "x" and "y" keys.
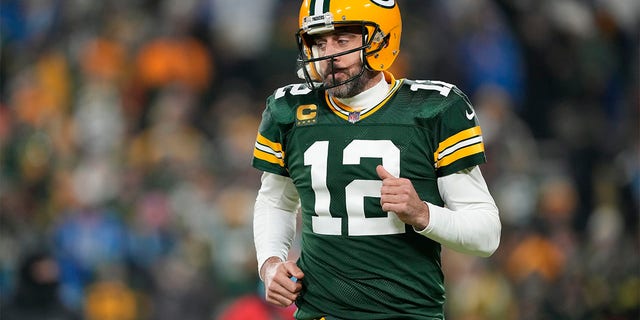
{"x": 436, "y": 218}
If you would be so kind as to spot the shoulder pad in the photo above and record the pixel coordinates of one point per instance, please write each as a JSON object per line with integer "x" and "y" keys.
{"x": 430, "y": 88}
{"x": 282, "y": 103}
{"x": 291, "y": 92}
{"x": 433, "y": 96}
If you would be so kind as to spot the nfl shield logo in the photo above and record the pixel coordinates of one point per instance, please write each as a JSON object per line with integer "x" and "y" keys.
{"x": 354, "y": 117}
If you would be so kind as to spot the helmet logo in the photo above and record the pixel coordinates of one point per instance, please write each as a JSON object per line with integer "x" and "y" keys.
{"x": 385, "y": 3}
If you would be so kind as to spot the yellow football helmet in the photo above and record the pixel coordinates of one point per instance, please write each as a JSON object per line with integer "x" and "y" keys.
{"x": 379, "y": 20}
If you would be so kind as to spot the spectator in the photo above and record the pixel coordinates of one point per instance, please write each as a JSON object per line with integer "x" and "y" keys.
{"x": 36, "y": 297}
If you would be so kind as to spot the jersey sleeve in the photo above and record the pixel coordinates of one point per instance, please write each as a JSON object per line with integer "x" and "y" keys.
{"x": 268, "y": 153}
{"x": 459, "y": 144}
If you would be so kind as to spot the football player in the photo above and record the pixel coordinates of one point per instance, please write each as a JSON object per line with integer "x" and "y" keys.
{"x": 384, "y": 172}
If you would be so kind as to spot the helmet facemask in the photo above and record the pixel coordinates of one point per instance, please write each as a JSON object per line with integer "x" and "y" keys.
{"x": 309, "y": 61}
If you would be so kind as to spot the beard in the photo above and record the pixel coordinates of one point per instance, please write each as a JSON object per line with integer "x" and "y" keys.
{"x": 358, "y": 84}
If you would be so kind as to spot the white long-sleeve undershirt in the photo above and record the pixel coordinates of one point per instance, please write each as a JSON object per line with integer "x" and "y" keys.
{"x": 274, "y": 217}
{"x": 469, "y": 223}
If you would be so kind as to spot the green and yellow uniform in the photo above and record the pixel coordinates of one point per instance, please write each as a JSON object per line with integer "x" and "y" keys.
{"x": 359, "y": 261}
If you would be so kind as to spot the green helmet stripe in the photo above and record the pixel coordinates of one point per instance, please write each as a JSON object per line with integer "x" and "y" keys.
{"x": 325, "y": 8}
{"x": 318, "y": 7}
{"x": 312, "y": 6}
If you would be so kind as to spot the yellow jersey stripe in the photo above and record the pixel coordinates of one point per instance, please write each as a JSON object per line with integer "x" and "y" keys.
{"x": 276, "y": 147}
{"x": 459, "y": 154}
{"x": 456, "y": 138}
{"x": 335, "y": 110}
{"x": 391, "y": 92}
{"x": 259, "y": 154}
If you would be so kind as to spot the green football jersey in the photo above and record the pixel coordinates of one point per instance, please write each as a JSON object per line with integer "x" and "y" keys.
{"x": 359, "y": 261}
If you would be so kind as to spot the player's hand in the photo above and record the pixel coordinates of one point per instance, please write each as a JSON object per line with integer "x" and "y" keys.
{"x": 280, "y": 289}
{"x": 399, "y": 196}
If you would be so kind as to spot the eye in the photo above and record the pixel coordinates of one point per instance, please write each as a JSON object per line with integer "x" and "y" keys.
{"x": 343, "y": 41}
{"x": 346, "y": 39}
{"x": 320, "y": 44}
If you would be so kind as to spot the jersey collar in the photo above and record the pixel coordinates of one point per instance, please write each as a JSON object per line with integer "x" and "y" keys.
{"x": 350, "y": 114}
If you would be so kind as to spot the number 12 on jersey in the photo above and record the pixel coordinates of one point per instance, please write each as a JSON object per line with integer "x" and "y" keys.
{"x": 316, "y": 156}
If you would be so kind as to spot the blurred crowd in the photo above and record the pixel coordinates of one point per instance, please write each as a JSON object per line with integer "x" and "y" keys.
{"x": 127, "y": 129}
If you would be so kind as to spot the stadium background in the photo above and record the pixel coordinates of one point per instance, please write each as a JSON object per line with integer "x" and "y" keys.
{"x": 127, "y": 128}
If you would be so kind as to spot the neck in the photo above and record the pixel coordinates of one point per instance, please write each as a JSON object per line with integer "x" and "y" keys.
{"x": 370, "y": 97}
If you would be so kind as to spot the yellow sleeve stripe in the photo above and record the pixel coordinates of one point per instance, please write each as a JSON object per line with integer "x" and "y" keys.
{"x": 276, "y": 147}
{"x": 458, "y": 146}
{"x": 268, "y": 151}
{"x": 259, "y": 154}
{"x": 459, "y": 154}
{"x": 457, "y": 138}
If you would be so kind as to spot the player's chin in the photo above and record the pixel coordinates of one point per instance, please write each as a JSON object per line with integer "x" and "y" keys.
{"x": 341, "y": 91}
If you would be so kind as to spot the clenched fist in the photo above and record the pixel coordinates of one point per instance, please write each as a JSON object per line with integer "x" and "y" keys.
{"x": 399, "y": 196}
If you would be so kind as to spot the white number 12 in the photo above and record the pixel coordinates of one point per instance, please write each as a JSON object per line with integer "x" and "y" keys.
{"x": 317, "y": 155}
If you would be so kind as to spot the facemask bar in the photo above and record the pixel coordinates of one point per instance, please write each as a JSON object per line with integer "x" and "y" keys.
{"x": 308, "y": 65}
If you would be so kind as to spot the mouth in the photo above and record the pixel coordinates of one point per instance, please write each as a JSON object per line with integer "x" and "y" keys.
{"x": 337, "y": 74}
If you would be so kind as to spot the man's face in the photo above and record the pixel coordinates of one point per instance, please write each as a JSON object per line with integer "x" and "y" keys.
{"x": 343, "y": 67}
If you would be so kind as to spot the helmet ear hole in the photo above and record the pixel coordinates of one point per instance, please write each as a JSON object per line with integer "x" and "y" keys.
{"x": 386, "y": 41}
{"x": 379, "y": 37}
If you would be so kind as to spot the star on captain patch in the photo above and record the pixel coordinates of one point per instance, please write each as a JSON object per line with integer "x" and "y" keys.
{"x": 354, "y": 116}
